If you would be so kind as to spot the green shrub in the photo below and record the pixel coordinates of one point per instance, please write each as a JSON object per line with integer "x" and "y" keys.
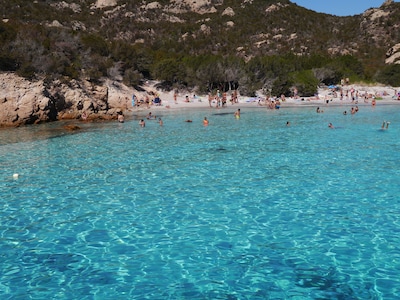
{"x": 389, "y": 75}
{"x": 96, "y": 44}
{"x": 26, "y": 70}
{"x": 282, "y": 86}
{"x": 306, "y": 82}
{"x": 132, "y": 77}
{"x": 7, "y": 63}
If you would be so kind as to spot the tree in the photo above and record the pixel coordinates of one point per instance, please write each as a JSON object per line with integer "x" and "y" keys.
{"x": 168, "y": 70}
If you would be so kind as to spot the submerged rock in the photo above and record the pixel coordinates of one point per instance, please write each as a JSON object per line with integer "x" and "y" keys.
{"x": 72, "y": 127}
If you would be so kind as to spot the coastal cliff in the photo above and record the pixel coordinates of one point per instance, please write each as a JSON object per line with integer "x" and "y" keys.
{"x": 30, "y": 102}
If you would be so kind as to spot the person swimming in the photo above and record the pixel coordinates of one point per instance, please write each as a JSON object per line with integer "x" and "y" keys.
{"x": 331, "y": 126}
{"x": 150, "y": 116}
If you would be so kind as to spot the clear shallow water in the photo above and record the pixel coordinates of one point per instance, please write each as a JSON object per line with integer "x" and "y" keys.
{"x": 241, "y": 209}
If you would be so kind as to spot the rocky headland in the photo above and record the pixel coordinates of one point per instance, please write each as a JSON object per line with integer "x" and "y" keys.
{"x": 25, "y": 102}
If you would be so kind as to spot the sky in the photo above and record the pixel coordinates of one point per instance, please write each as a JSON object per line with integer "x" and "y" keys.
{"x": 340, "y": 7}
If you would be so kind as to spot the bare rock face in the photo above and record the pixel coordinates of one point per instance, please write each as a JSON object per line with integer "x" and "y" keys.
{"x": 275, "y": 7}
{"x": 22, "y": 101}
{"x": 393, "y": 55}
{"x": 372, "y": 21}
{"x": 30, "y": 102}
{"x": 197, "y": 6}
{"x": 387, "y": 2}
{"x": 228, "y": 12}
{"x": 105, "y": 3}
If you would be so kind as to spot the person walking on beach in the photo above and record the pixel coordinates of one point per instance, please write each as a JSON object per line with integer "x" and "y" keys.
{"x": 133, "y": 101}
{"x": 147, "y": 101}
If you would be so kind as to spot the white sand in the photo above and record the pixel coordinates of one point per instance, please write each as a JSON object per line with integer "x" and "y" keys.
{"x": 383, "y": 94}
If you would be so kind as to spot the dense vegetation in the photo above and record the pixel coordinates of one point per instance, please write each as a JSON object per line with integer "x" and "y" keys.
{"x": 87, "y": 43}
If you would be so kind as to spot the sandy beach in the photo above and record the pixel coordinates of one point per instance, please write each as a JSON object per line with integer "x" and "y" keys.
{"x": 353, "y": 95}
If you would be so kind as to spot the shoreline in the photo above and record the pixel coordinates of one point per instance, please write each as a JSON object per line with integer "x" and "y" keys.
{"x": 326, "y": 97}
{"x": 243, "y": 104}
{"x": 25, "y": 104}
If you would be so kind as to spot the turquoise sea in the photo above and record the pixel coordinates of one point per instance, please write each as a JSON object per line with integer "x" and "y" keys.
{"x": 241, "y": 209}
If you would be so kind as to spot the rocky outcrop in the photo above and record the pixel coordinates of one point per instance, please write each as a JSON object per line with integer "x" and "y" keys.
{"x": 30, "y": 102}
{"x": 393, "y": 55}
{"x": 197, "y": 6}
{"x": 387, "y": 2}
{"x": 76, "y": 8}
{"x": 372, "y": 21}
{"x": 104, "y": 3}
{"x": 228, "y": 12}
{"x": 275, "y": 7}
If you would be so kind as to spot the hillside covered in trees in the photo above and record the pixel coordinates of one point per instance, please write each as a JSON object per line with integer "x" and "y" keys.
{"x": 203, "y": 45}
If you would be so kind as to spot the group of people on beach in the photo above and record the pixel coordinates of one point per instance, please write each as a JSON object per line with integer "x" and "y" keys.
{"x": 272, "y": 102}
{"x": 220, "y": 99}
{"x": 354, "y": 95}
{"x": 150, "y": 99}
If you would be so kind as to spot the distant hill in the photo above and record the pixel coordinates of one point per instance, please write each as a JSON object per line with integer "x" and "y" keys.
{"x": 198, "y": 43}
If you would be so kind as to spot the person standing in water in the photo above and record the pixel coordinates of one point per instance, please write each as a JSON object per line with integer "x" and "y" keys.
{"x": 237, "y": 114}
{"x": 385, "y": 124}
{"x": 205, "y": 121}
{"x": 121, "y": 118}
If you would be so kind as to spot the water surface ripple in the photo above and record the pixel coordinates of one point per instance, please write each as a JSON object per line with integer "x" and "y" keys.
{"x": 241, "y": 209}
